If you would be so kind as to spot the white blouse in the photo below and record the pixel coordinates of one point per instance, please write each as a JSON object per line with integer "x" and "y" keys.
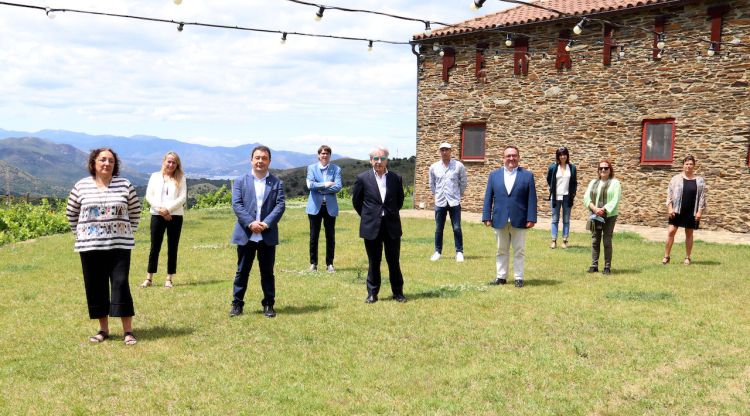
{"x": 161, "y": 193}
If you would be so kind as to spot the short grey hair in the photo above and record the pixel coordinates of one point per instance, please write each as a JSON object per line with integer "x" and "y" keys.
{"x": 378, "y": 149}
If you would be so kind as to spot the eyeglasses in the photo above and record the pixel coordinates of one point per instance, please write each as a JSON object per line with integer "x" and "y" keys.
{"x": 379, "y": 158}
{"x": 603, "y": 168}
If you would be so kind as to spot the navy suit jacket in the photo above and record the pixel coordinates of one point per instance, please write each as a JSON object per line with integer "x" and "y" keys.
{"x": 519, "y": 205}
{"x": 373, "y": 211}
{"x": 245, "y": 208}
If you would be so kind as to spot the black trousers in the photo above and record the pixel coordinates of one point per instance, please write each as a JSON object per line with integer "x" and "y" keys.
{"x": 392, "y": 248}
{"x": 173, "y": 229}
{"x": 329, "y": 223}
{"x": 100, "y": 269}
{"x": 266, "y": 259}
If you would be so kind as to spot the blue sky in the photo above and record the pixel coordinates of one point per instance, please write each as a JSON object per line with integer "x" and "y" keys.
{"x": 218, "y": 87}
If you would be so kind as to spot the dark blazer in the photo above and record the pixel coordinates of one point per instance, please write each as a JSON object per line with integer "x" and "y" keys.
{"x": 519, "y": 205}
{"x": 552, "y": 182}
{"x": 368, "y": 204}
{"x": 245, "y": 208}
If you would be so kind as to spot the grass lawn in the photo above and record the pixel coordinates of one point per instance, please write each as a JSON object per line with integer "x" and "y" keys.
{"x": 650, "y": 339}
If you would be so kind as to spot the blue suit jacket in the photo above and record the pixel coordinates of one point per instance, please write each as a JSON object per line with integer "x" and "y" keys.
{"x": 245, "y": 208}
{"x": 319, "y": 192}
{"x": 519, "y": 205}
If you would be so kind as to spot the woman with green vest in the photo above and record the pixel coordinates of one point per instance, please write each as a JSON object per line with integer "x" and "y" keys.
{"x": 602, "y": 199}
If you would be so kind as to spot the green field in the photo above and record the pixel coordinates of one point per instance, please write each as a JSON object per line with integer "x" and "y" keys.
{"x": 650, "y": 339}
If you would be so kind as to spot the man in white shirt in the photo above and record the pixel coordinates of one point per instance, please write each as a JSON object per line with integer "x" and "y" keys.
{"x": 448, "y": 182}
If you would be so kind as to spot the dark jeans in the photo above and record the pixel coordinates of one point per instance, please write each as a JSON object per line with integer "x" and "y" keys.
{"x": 266, "y": 259}
{"x": 440, "y": 214}
{"x": 392, "y": 248}
{"x": 173, "y": 229}
{"x": 329, "y": 223}
{"x": 606, "y": 229}
{"x": 100, "y": 269}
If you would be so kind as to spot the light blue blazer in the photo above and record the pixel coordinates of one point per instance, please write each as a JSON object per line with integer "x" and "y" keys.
{"x": 519, "y": 205}
{"x": 319, "y": 192}
{"x": 245, "y": 207}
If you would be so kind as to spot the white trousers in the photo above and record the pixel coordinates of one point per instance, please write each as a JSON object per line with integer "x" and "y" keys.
{"x": 505, "y": 237}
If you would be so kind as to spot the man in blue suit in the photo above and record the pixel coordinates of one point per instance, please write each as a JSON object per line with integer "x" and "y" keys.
{"x": 324, "y": 182}
{"x": 377, "y": 196}
{"x": 510, "y": 208}
{"x": 258, "y": 202}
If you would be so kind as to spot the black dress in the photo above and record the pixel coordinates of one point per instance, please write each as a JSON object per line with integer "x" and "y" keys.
{"x": 686, "y": 218}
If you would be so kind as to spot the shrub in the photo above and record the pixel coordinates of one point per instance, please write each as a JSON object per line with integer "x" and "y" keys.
{"x": 221, "y": 197}
{"x": 23, "y": 221}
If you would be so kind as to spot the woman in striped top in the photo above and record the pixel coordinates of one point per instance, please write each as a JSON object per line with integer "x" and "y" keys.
{"x": 103, "y": 211}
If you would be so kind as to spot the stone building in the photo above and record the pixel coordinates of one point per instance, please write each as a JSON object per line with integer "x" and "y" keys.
{"x": 645, "y": 83}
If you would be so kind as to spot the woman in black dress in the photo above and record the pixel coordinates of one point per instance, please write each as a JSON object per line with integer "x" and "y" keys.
{"x": 686, "y": 200}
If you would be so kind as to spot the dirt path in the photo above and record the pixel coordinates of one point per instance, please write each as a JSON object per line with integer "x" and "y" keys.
{"x": 649, "y": 233}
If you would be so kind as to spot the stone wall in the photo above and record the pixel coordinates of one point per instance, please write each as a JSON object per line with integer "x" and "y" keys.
{"x": 597, "y": 111}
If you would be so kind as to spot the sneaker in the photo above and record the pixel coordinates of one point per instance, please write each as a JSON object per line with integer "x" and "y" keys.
{"x": 313, "y": 268}
{"x": 435, "y": 256}
{"x": 330, "y": 269}
{"x": 593, "y": 269}
{"x": 554, "y": 244}
{"x": 518, "y": 283}
{"x": 460, "y": 257}
{"x": 565, "y": 244}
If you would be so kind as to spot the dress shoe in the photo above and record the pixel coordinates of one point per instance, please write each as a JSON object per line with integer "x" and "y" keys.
{"x": 371, "y": 299}
{"x": 607, "y": 270}
{"x": 268, "y": 311}
{"x": 399, "y": 298}
{"x": 518, "y": 283}
{"x": 498, "y": 281}
{"x": 330, "y": 269}
{"x": 236, "y": 311}
{"x": 460, "y": 257}
{"x": 593, "y": 269}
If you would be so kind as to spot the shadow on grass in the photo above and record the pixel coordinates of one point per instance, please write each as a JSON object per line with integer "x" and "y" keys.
{"x": 157, "y": 332}
{"x": 202, "y": 282}
{"x": 297, "y": 310}
{"x": 706, "y": 262}
{"x": 540, "y": 282}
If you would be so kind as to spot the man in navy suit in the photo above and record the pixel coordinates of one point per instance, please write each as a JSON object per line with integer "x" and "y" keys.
{"x": 377, "y": 196}
{"x": 258, "y": 202}
{"x": 324, "y": 182}
{"x": 510, "y": 208}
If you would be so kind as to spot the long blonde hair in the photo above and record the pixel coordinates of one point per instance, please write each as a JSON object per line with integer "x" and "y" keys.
{"x": 178, "y": 173}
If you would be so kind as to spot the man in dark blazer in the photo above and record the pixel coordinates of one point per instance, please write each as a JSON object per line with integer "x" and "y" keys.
{"x": 258, "y": 202}
{"x": 510, "y": 208}
{"x": 377, "y": 196}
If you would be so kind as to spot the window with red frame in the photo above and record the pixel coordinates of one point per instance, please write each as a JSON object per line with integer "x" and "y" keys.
{"x": 657, "y": 142}
{"x": 472, "y": 141}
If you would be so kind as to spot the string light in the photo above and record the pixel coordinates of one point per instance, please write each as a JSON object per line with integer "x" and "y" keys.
{"x": 578, "y": 29}
{"x": 369, "y": 46}
{"x": 283, "y": 38}
{"x": 178, "y": 2}
{"x": 50, "y": 13}
{"x": 569, "y": 46}
{"x": 319, "y": 14}
{"x": 661, "y": 40}
{"x": 660, "y": 54}
{"x": 180, "y": 27}
{"x": 711, "y": 49}
{"x": 427, "y": 29}
{"x": 442, "y": 52}
{"x": 508, "y": 40}
{"x": 477, "y": 4}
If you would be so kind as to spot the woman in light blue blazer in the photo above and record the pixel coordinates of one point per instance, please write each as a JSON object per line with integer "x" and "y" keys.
{"x": 324, "y": 182}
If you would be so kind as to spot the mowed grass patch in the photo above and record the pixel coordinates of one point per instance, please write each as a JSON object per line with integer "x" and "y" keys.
{"x": 649, "y": 339}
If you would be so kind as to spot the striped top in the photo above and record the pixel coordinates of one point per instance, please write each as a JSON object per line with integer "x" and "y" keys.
{"x": 103, "y": 219}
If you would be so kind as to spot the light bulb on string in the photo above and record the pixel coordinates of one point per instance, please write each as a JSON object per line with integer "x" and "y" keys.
{"x": 711, "y": 50}
{"x": 477, "y": 4}
{"x": 435, "y": 47}
{"x": 50, "y": 13}
{"x": 178, "y": 2}
{"x": 283, "y": 38}
{"x": 621, "y": 54}
{"x": 578, "y": 29}
{"x": 660, "y": 54}
{"x": 369, "y": 46}
{"x": 569, "y": 46}
{"x": 442, "y": 52}
{"x": 319, "y": 13}
{"x": 509, "y": 40}
{"x": 180, "y": 27}
{"x": 427, "y": 29}
{"x": 661, "y": 41}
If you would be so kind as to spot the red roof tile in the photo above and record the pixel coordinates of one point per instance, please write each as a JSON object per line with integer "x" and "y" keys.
{"x": 528, "y": 14}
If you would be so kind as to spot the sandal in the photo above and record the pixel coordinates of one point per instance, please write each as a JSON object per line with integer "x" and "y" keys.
{"x": 146, "y": 283}
{"x": 665, "y": 260}
{"x": 687, "y": 261}
{"x": 129, "y": 339}
{"x": 168, "y": 283}
{"x": 100, "y": 336}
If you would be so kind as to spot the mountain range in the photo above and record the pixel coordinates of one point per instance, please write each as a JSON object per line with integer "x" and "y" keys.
{"x": 144, "y": 153}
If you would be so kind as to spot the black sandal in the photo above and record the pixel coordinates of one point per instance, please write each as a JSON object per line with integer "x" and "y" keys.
{"x": 131, "y": 341}
{"x": 100, "y": 336}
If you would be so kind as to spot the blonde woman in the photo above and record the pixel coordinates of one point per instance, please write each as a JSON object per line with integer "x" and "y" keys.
{"x": 166, "y": 193}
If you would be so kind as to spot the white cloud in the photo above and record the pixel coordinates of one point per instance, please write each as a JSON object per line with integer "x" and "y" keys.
{"x": 106, "y": 75}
